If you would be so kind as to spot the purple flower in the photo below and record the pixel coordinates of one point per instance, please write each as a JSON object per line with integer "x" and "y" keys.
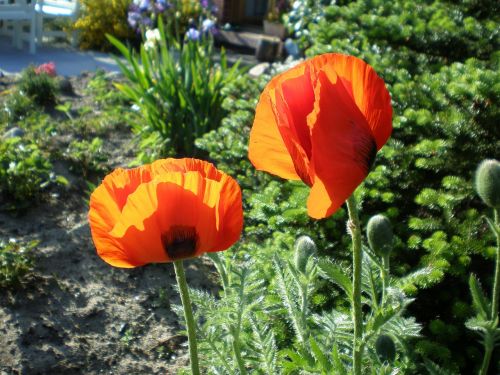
{"x": 193, "y": 34}
{"x": 161, "y": 6}
{"x": 204, "y": 3}
{"x": 133, "y": 19}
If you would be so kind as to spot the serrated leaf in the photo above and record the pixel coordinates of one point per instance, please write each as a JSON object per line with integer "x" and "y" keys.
{"x": 319, "y": 355}
{"x": 336, "y": 275}
{"x": 479, "y": 300}
{"x": 338, "y": 366}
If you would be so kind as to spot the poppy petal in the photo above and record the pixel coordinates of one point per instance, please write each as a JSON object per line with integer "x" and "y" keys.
{"x": 266, "y": 149}
{"x": 366, "y": 87}
{"x": 343, "y": 146}
{"x": 106, "y": 203}
{"x": 229, "y": 214}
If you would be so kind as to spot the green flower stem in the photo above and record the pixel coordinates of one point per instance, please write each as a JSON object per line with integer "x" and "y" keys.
{"x": 488, "y": 349}
{"x": 188, "y": 314}
{"x": 489, "y": 342}
{"x": 496, "y": 283}
{"x": 385, "y": 275}
{"x": 357, "y": 254}
{"x": 237, "y": 354}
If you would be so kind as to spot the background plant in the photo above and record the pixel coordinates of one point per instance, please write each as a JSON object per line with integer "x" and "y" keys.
{"x": 440, "y": 67}
{"x": 284, "y": 331}
{"x": 87, "y": 157}
{"x": 39, "y": 86}
{"x": 101, "y": 17}
{"x": 485, "y": 323}
{"x": 144, "y": 14}
{"x": 178, "y": 89}
{"x": 16, "y": 261}
{"x": 24, "y": 172}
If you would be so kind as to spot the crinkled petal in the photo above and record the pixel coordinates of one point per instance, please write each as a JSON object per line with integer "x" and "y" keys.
{"x": 343, "y": 147}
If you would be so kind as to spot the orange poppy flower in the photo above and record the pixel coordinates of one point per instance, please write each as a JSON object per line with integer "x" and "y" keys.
{"x": 322, "y": 122}
{"x": 168, "y": 210}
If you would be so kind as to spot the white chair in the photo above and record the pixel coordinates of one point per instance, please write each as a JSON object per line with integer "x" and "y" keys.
{"x": 16, "y": 16}
{"x": 55, "y": 9}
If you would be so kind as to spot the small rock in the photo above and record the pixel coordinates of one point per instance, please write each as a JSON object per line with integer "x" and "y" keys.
{"x": 123, "y": 328}
{"x": 66, "y": 87}
{"x": 13, "y": 133}
{"x": 259, "y": 70}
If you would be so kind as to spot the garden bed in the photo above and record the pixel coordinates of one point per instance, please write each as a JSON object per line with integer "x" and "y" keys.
{"x": 73, "y": 313}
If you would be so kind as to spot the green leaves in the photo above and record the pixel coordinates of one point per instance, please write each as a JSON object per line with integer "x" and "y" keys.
{"x": 24, "y": 171}
{"x": 16, "y": 260}
{"x": 480, "y": 303}
{"x": 178, "y": 89}
{"x": 336, "y": 275}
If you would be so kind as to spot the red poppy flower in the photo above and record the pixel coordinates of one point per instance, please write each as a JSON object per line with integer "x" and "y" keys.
{"x": 322, "y": 122}
{"x": 168, "y": 210}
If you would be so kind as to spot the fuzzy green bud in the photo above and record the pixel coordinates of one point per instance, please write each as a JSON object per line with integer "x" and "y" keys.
{"x": 305, "y": 248}
{"x": 385, "y": 348}
{"x": 379, "y": 232}
{"x": 488, "y": 182}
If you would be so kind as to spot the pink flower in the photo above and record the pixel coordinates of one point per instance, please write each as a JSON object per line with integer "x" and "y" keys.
{"x": 47, "y": 68}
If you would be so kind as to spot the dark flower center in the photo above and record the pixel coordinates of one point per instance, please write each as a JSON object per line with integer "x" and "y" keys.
{"x": 364, "y": 145}
{"x": 180, "y": 242}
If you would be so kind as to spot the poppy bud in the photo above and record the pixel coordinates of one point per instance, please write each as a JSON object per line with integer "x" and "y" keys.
{"x": 488, "y": 182}
{"x": 385, "y": 348}
{"x": 305, "y": 248}
{"x": 379, "y": 231}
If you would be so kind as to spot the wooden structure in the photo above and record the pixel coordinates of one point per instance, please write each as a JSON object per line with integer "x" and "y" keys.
{"x": 241, "y": 11}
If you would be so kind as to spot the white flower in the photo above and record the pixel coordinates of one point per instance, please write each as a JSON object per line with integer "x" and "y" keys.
{"x": 207, "y": 25}
{"x": 149, "y": 45}
{"x": 153, "y": 35}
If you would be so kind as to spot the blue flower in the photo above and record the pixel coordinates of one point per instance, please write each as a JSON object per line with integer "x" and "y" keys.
{"x": 144, "y": 5}
{"x": 193, "y": 34}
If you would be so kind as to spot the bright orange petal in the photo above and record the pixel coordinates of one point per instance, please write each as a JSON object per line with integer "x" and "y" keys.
{"x": 106, "y": 203}
{"x": 343, "y": 147}
{"x": 229, "y": 214}
{"x": 206, "y": 169}
{"x": 266, "y": 149}
{"x": 367, "y": 89}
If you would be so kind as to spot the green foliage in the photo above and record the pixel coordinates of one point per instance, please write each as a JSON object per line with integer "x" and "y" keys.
{"x": 440, "y": 62}
{"x": 16, "y": 107}
{"x": 16, "y": 260}
{"x": 316, "y": 340}
{"x": 177, "y": 88}
{"x": 86, "y": 156}
{"x": 24, "y": 172}
{"x": 39, "y": 87}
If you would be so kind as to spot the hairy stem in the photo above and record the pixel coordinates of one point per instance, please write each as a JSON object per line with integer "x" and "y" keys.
{"x": 496, "y": 283}
{"x": 237, "y": 354}
{"x": 385, "y": 275}
{"x": 489, "y": 342}
{"x": 188, "y": 315}
{"x": 357, "y": 254}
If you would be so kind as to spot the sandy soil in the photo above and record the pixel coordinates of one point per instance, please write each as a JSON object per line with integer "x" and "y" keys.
{"x": 77, "y": 315}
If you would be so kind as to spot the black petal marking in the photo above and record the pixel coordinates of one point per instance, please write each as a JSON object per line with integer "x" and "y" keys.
{"x": 180, "y": 242}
